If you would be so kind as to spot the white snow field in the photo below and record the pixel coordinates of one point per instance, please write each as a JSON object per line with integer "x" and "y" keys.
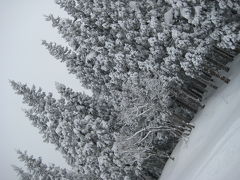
{"x": 212, "y": 151}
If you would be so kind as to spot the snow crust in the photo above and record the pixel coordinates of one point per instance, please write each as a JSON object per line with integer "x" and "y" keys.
{"x": 212, "y": 151}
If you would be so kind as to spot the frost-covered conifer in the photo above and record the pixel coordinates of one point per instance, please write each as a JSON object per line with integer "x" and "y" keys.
{"x": 69, "y": 6}
{"x": 197, "y": 26}
{"x": 83, "y": 69}
{"x": 47, "y": 114}
{"x": 23, "y": 175}
{"x": 93, "y": 127}
{"x": 79, "y": 126}
{"x": 107, "y": 35}
{"x": 36, "y": 169}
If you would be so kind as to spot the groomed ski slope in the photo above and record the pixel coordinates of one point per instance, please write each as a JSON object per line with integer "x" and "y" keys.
{"x": 212, "y": 151}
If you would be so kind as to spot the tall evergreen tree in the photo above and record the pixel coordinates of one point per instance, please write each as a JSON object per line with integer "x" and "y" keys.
{"x": 22, "y": 174}
{"x": 79, "y": 126}
{"x": 37, "y": 170}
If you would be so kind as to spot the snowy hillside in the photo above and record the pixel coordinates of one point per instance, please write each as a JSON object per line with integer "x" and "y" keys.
{"x": 212, "y": 150}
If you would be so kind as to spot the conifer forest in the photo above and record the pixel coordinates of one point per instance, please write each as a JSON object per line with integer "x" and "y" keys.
{"x": 148, "y": 64}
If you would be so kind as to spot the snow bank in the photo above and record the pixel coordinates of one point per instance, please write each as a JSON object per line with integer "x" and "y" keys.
{"x": 212, "y": 151}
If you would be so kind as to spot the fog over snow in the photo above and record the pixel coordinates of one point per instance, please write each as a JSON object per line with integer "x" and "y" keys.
{"x": 23, "y": 58}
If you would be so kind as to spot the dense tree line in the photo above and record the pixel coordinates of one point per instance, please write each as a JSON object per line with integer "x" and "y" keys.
{"x": 148, "y": 64}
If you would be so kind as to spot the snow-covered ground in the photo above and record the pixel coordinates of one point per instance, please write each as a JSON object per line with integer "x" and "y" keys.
{"x": 212, "y": 151}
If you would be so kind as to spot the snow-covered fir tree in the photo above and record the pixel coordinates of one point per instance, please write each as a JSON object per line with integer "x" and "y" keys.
{"x": 37, "y": 170}
{"x": 80, "y": 128}
{"x": 23, "y": 175}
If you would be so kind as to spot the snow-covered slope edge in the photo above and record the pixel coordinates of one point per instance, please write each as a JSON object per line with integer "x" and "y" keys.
{"x": 212, "y": 151}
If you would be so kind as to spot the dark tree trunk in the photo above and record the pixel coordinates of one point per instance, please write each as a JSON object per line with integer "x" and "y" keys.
{"x": 206, "y": 82}
{"x": 202, "y": 84}
{"x": 185, "y": 105}
{"x": 205, "y": 75}
{"x": 197, "y": 89}
{"x": 224, "y": 53}
{"x": 193, "y": 94}
{"x": 218, "y": 64}
{"x": 223, "y": 78}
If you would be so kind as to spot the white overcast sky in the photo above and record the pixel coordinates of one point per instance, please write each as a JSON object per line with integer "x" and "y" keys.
{"x": 23, "y": 58}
